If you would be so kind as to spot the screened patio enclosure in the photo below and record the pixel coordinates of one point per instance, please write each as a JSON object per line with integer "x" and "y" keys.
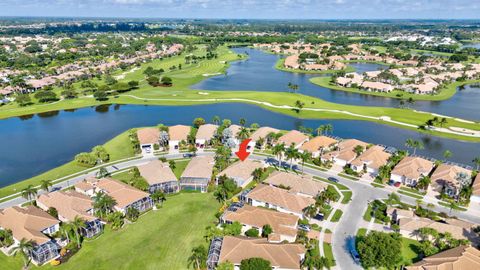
{"x": 43, "y": 253}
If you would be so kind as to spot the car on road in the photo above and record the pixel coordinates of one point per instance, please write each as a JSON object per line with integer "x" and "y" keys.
{"x": 319, "y": 217}
{"x": 304, "y": 227}
{"x": 188, "y": 155}
{"x": 333, "y": 179}
{"x": 55, "y": 189}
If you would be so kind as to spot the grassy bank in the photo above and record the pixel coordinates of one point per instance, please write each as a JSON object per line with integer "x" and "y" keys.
{"x": 156, "y": 240}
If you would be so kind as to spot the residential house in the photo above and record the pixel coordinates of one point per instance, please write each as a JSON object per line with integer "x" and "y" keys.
{"x": 177, "y": 134}
{"x": 148, "y": 138}
{"x": 32, "y": 224}
{"x": 204, "y": 136}
{"x": 259, "y": 135}
{"x": 371, "y": 160}
{"x": 197, "y": 174}
{"x": 303, "y": 185}
{"x": 241, "y": 171}
{"x": 69, "y": 205}
{"x": 86, "y": 186}
{"x": 345, "y": 152}
{"x": 293, "y": 137}
{"x": 318, "y": 145}
{"x": 235, "y": 249}
{"x": 159, "y": 176}
{"x": 125, "y": 195}
{"x": 450, "y": 179}
{"x": 279, "y": 199}
{"x": 458, "y": 229}
{"x": 410, "y": 169}
{"x": 397, "y": 213}
{"x": 292, "y": 62}
{"x": 377, "y": 86}
{"x": 459, "y": 258}
{"x": 476, "y": 190}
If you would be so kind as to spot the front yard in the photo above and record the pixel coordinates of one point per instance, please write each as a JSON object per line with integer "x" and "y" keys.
{"x": 160, "y": 239}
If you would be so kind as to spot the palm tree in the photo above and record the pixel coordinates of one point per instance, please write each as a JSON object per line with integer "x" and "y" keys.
{"x": 291, "y": 153}
{"x": 243, "y": 121}
{"x": 320, "y": 130}
{"x": 65, "y": 229}
{"x": 443, "y": 121}
{"x": 216, "y": 120}
{"x": 411, "y": 143}
{"x": 158, "y": 196}
{"x": 24, "y": 247}
{"x": 46, "y": 185}
{"x": 103, "y": 202}
{"x": 424, "y": 182}
{"x": 29, "y": 192}
{"x": 466, "y": 192}
{"x": 243, "y": 133}
{"x": 304, "y": 157}
{"x": 384, "y": 172}
{"x": 328, "y": 128}
{"x": 452, "y": 206}
{"x": 447, "y": 154}
{"x": 476, "y": 161}
{"x": 77, "y": 224}
{"x": 278, "y": 151}
{"x": 198, "y": 257}
{"x": 358, "y": 150}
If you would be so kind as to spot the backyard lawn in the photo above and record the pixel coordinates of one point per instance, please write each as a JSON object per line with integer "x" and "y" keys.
{"x": 160, "y": 239}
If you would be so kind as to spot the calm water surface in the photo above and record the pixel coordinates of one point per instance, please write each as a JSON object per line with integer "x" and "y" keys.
{"x": 34, "y": 144}
{"x": 258, "y": 73}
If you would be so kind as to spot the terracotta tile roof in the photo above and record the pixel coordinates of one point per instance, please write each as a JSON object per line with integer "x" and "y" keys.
{"x": 235, "y": 129}
{"x": 84, "y": 186}
{"x": 179, "y": 132}
{"x": 457, "y": 230}
{"x": 346, "y": 149}
{"x": 69, "y": 204}
{"x": 123, "y": 194}
{"x": 317, "y": 143}
{"x": 148, "y": 135}
{"x": 413, "y": 167}
{"x": 28, "y": 223}
{"x": 206, "y": 132}
{"x": 284, "y": 256}
{"x": 156, "y": 172}
{"x": 199, "y": 167}
{"x": 281, "y": 198}
{"x": 374, "y": 157}
{"x": 281, "y": 223}
{"x": 400, "y": 212}
{"x": 459, "y": 258}
{"x": 449, "y": 173}
{"x": 293, "y": 137}
{"x": 476, "y": 185}
{"x": 241, "y": 169}
{"x": 262, "y": 133}
{"x": 302, "y": 184}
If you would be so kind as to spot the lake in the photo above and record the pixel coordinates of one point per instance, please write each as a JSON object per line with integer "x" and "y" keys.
{"x": 258, "y": 73}
{"x": 34, "y": 144}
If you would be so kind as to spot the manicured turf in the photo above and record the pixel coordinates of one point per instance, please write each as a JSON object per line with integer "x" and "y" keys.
{"x": 160, "y": 239}
{"x": 367, "y": 216}
{"x": 346, "y": 197}
{"x": 337, "y": 215}
{"x": 180, "y": 166}
{"x": 410, "y": 249}
{"x": 327, "y": 249}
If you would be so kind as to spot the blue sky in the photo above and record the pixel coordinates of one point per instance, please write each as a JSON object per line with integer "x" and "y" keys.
{"x": 264, "y": 9}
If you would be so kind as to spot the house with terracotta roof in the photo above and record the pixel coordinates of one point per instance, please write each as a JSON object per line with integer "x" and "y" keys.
{"x": 476, "y": 189}
{"x": 125, "y": 195}
{"x": 459, "y": 229}
{"x": 410, "y": 169}
{"x": 293, "y": 137}
{"x": 235, "y": 249}
{"x": 241, "y": 171}
{"x": 259, "y": 135}
{"x": 371, "y": 160}
{"x": 279, "y": 199}
{"x": 159, "y": 176}
{"x": 292, "y": 62}
{"x": 284, "y": 226}
{"x": 397, "y": 213}
{"x": 318, "y": 145}
{"x": 198, "y": 173}
{"x": 450, "y": 179}
{"x": 32, "y": 224}
{"x": 345, "y": 152}
{"x": 204, "y": 135}
{"x": 176, "y": 135}
{"x": 69, "y": 205}
{"x": 148, "y": 138}
{"x": 459, "y": 258}
{"x": 303, "y": 185}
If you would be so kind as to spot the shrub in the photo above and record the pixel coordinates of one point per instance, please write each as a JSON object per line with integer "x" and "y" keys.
{"x": 255, "y": 264}
{"x": 253, "y": 232}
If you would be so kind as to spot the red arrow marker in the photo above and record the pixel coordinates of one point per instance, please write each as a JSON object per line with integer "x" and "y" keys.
{"x": 242, "y": 153}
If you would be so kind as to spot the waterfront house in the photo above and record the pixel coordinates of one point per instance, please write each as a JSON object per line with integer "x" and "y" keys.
{"x": 241, "y": 171}
{"x": 292, "y": 62}
{"x": 148, "y": 138}
{"x": 259, "y": 135}
{"x": 457, "y": 228}
{"x": 476, "y": 189}
{"x": 293, "y": 137}
{"x": 318, "y": 145}
{"x": 125, "y": 195}
{"x": 410, "y": 169}
{"x": 450, "y": 179}
{"x": 345, "y": 152}
{"x": 279, "y": 199}
{"x": 32, "y": 224}
{"x": 204, "y": 135}
{"x": 177, "y": 134}
{"x": 284, "y": 226}
{"x": 159, "y": 176}
{"x": 377, "y": 86}
{"x": 458, "y": 258}
{"x": 197, "y": 174}
{"x": 69, "y": 205}
{"x": 303, "y": 185}
{"x": 235, "y": 249}
{"x": 371, "y": 160}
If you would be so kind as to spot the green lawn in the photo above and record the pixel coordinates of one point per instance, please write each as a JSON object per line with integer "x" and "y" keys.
{"x": 410, "y": 249}
{"x": 346, "y": 197}
{"x": 160, "y": 239}
{"x": 367, "y": 216}
{"x": 337, "y": 215}
{"x": 180, "y": 166}
{"x": 327, "y": 249}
